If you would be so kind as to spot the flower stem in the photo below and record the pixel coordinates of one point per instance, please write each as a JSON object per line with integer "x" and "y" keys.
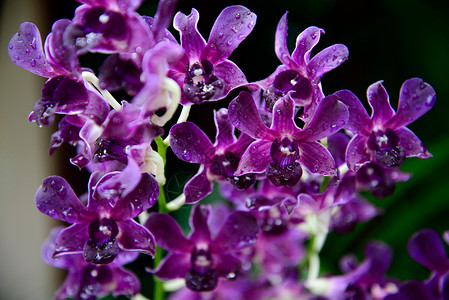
{"x": 158, "y": 292}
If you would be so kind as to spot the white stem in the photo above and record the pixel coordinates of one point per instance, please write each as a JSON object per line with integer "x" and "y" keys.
{"x": 92, "y": 79}
{"x": 154, "y": 164}
{"x": 176, "y": 203}
{"x": 170, "y": 89}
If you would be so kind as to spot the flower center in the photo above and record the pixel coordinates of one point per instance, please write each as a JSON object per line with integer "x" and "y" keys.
{"x": 386, "y": 147}
{"x": 201, "y": 84}
{"x": 284, "y": 169}
{"x": 201, "y": 277}
{"x": 102, "y": 247}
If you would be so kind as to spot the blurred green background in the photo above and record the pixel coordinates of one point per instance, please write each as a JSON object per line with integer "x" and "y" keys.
{"x": 390, "y": 40}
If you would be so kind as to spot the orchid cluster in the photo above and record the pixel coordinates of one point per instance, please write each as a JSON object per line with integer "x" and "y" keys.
{"x": 289, "y": 163}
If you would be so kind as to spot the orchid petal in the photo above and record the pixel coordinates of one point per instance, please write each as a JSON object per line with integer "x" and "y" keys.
{"x": 380, "y": 103}
{"x": 56, "y": 199}
{"x": 330, "y": 116}
{"x": 327, "y": 60}
{"x": 283, "y": 114}
{"x": 127, "y": 282}
{"x": 191, "y": 40}
{"x": 225, "y": 130}
{"x": 317, "y": 159}
{"x": 231, "y": 27}
{"x": 280, "y": 44}
{"x": 226, "y": 265}
{"x": 72, "y": 239}
{"x": 134, "y": 237}
{"x": 167, "y": 233}
{"x": 143, "y": 197}
{"x": 305, "y": 41}
{"x": 25, "y": 50}
{"x": 427, "y": 248}
{"x": 412, "y": 144}
{"x": 255, "y": 159}
{"x": 415, "y": 99}
{"x": 198, "y": 187}
{"x": 198, "y": 222}
{"x": 356, "y": 152}
{"x": 173, "y": 266}
{"x": 239, "y": 231}
{"x": 359, "y": 121}
{"x": 231, "y": 74}
{"x": 190, "y": 143}
{"x": 244, "y": 115}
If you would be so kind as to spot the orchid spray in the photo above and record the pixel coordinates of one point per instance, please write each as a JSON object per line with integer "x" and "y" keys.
{"x": 289, "y": 163}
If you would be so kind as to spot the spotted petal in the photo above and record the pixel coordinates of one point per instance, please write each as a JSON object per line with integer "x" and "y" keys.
{"x": 327, "y": 60}
{"x": 380, "y": 103}
{"x": 190, "y": 143}
{"x": 71, "y": 239}
{"x": 317, "y": 159}
{"x": 191, "y": 40}
{"x": 173, "y": 266}
{"x": 198, "y": 187}
{"x": 255, "y": 159}
{"x": 134, "y": 237}
{"x": 305, "y": 41}
{"x": 25, "y": 50}
{"x": 280, "y": 44}
{"x": 415, "y": 99}
{"x": 412, "y": 144}
{"x": 244, "y": 115}
{"x": 231, "y": 27}
{"x": 359, "y": 121}
{"x": 56, "y": 199}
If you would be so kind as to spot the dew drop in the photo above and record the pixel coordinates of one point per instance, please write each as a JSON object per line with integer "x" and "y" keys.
{"x": 250, "y": 25}
{"x": 237, "y": 16}
{"x": 221, "y": 34}
{"x": 33, "y": 63}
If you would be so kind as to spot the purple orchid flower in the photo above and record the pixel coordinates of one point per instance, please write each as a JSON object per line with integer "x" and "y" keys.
{"x": 105, "y": 224}
{"x": 65, "y": 92}
{"x": 86, "y": 281}
{"x": 206, "y": 74}
{"x": 283, "y": 149}
{"x": 427, "y": 248}
{"x": 299, "y": 73}
{"x": 384, "y": 137}
{"x": 218, "y": 161}
{"x": 200, "y": 258}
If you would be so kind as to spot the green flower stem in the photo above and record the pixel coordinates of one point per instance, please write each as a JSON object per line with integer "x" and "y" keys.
{"x": 159, "y": 293}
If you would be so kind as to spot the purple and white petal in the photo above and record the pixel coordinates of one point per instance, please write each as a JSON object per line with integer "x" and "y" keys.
{"x": 330, "y": 116}
{"x": 134, "y": 237}
{"x": 167, "y": 233}
{"x": 198, "y": 222}
{"x": 359, "y": 121}
{"x": 56, "y": 198}
{"x": 412, "y": 144}
{"x": 25, "y": 50}
{"x": 198, "y": 187}
{"x": 232, "y": 76}
{"x": 415, "y": 99}
{"x": 255, "y": 159}
{"x": 173, "y": 266}
{"x": 327, "y": 60}
{"x": 239, "y": 231}
{"x": 283, "y": 114}
{"x": 225, "y": 130}
{"x": 356, "y": 153}
{"x": 190, "y": 143}
{"x": 72, "y": 239}
{"x": 140, "y": 199}
{"x": 280, "y": 44}
{"x": 191, "y": 40}
{"x": 244, "y": 115}
{"x": 380, "y": 103}
{"x": 305, "y": 41}
{"x": 231, "y": 27}
{"x": 317, "y": 159}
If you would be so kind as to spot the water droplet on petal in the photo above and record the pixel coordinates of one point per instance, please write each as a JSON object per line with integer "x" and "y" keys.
{"x": 33, "y": 63}
{"x": 237, "y": 16}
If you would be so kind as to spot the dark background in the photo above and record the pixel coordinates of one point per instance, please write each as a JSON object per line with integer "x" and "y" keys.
{"x": 390, "y": 40}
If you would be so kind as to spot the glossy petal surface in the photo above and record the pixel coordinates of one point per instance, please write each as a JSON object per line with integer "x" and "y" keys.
{"x": 134, "y": 237}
